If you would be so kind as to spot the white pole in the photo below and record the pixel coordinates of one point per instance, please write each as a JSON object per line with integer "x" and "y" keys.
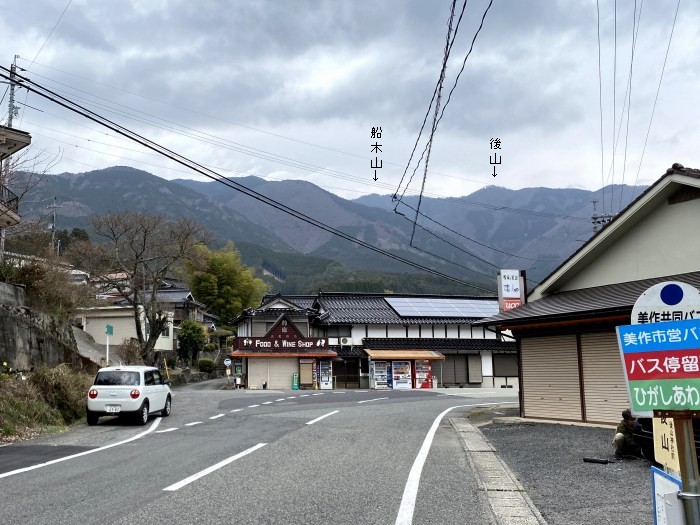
{"x": 107, "y": 363}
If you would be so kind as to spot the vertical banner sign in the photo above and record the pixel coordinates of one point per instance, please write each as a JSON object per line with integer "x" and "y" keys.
{"x": 511, "y": 289}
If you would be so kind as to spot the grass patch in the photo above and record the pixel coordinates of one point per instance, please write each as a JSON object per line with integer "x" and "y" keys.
{"x": 48, "y": 401}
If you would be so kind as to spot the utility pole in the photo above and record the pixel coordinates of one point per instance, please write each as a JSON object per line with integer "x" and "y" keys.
{"x": 53, "y": 222}
{"x": 5, "y": 170}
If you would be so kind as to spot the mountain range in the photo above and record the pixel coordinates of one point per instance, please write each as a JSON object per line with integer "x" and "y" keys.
{"x": 468, "y": 238}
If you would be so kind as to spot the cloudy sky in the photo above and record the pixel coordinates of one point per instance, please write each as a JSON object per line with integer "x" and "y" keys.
{"x": 292, "y": 89}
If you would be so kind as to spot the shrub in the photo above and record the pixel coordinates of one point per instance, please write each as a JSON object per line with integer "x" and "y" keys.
{"x": 63, "y": 389}
{"x": 130, "y": 352}
{"x": 206, "y": 365}
{"x": 171, "y": 361}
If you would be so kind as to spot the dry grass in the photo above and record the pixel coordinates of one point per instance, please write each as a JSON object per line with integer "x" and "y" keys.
{"x": 49, "y": 400}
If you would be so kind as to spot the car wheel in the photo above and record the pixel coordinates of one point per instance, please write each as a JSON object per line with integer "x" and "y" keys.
{"x": 166, "y": 409}
{"x": 143, "y": 414}
{"x": 92, "y": 418}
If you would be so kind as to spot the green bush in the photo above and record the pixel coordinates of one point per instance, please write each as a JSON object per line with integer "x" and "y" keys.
{"x": 171, "y": 361}
{"x": 206, "y": 365}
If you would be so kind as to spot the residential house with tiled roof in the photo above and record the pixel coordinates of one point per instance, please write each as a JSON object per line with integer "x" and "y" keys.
{"x": 377, "y": 341}
{"x": 571, "y": 367}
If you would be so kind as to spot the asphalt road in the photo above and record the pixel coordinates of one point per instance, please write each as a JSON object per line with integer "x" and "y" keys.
{"x": 312, "y": 457}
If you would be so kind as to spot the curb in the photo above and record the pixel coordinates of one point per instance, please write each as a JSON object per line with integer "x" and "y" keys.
{"x": 507, "y": 498}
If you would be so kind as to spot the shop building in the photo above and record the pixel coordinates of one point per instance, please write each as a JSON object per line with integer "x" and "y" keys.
{"x": 570, "y": 365}
{"x": 373, "y": 341}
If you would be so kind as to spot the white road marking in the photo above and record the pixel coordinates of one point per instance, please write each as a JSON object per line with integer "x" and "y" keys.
{"x": 279, "y": 399}
{"x": 361, "y": 391}
{"x": 209, "y": 470}
{"x": 304, "y": 395}
{"x": 292, "y": 397}
{"x": 193, "y": 424}
{"x": 320, "y": 418}
{"x": 408, "y": 501}
{"x": 319, "y": 394}
{"x": 164, "y": 431}
{"x": 337, "y": 392}
{"x": 253, "y": 406}
{"x": 236, "y": 410}
{"x": 217, "y": 416}
{"x": 85, "y": 453}
{"x": 370, "y": 400}
{"x": 267, "y": 403}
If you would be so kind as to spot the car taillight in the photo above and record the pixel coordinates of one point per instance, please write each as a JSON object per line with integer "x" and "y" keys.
{"x": 134, "y": 394}
{"x": 92, "y": 393}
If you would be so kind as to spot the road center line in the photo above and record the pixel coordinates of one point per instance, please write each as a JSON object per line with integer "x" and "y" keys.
{"x": 166, "y": 430}
{"x": 193, "y": 424}
{"x": 279, "y": 399}
{"x": 408, "y": 500}
{"x": 217, "y": 416}
{"x": 267, "y": 403}
{"x": 292, "y": 397}
{"x": 370, "y": 400}
{"x": 85, "y": 453}
{"x": 209, "y": 470}
{"x": 320, "y": 418}
{"x": 253, "y": 406}
{"x": 236, "y": 410}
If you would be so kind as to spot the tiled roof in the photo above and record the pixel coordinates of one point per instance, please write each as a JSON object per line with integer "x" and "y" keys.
{"x": 599, "y": 300}
{"x": 348, "y": 351}
{"x": 440, "y": 345}
{"x": 302, "y": 301}
{"x": 373, "y": 309}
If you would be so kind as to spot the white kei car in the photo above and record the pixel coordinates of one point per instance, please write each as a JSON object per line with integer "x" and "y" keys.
{"x": 128, "y": 391}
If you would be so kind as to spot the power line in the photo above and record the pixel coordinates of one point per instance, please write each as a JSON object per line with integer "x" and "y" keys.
{"x": 600, "y": 103}
{"x": 437, "y": 122}
{"x": 635, "y": 21}
{"x": 656, "y": 98}
{"x": 614, "y": 145}
{"x": 435, "y": 91}
{"x": 213, "y": 117}
{"x": 72, "y": 106}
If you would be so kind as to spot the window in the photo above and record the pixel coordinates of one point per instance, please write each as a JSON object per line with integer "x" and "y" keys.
{"x": 116, "y": 378}
{"x": 148, "y": 378}
{"x": 157, "y": 378}
{"x": 505, "y": 365}
{"x": 339, "y": 331}
{"x": 166, "y": 332}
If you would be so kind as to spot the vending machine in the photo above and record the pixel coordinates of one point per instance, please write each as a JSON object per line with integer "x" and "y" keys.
{"x": 401, "y": 373}
{"x": 325, "y": 372}
{"x": 423, "y": 374}
{"x": 378, "y": 375}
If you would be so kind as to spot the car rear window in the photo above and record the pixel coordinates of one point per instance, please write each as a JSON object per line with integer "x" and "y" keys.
{"x": 112, "y": 378}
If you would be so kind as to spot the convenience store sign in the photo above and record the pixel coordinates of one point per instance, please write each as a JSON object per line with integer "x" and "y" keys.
{"x": 662, "y": 365}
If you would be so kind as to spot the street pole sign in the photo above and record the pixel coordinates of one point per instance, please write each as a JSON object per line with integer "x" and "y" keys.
{"x": 660, "y": 355}
{"x": 109, "y": 330}
{"x": 662, "y": 365}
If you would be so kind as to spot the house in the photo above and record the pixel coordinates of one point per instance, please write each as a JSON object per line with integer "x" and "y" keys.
{"x": 570, "y": 365}
{"x": 95, "y": 321}
{"x": 11, "y": 141}
{"x": 373, "y": 341}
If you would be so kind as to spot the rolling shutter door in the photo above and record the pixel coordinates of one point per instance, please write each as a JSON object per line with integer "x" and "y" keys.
{"x": 461, "y": 369}
{"x": 550, "y": 377}
{"x": 448, "y": 370}
{"x": 604, "y": 383}
{"x": 474, "y": 362}
{"x": 257, "y": 372}
{"x": 281, "y": 371}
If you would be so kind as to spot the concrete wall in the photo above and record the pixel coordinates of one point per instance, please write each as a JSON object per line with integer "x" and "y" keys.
{"x": 29, "y": 339}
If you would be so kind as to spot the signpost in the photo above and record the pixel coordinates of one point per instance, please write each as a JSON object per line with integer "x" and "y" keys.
{"x": 661, "y": 357}
{"x": 109, "y": 330}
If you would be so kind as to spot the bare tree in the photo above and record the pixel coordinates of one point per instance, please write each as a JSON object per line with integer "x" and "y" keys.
{"x": 140, "y": 252}
{"x": 20, "y": 174}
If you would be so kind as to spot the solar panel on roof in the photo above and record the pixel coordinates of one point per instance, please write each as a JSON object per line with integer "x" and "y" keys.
{"x": 442, "y": 307}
